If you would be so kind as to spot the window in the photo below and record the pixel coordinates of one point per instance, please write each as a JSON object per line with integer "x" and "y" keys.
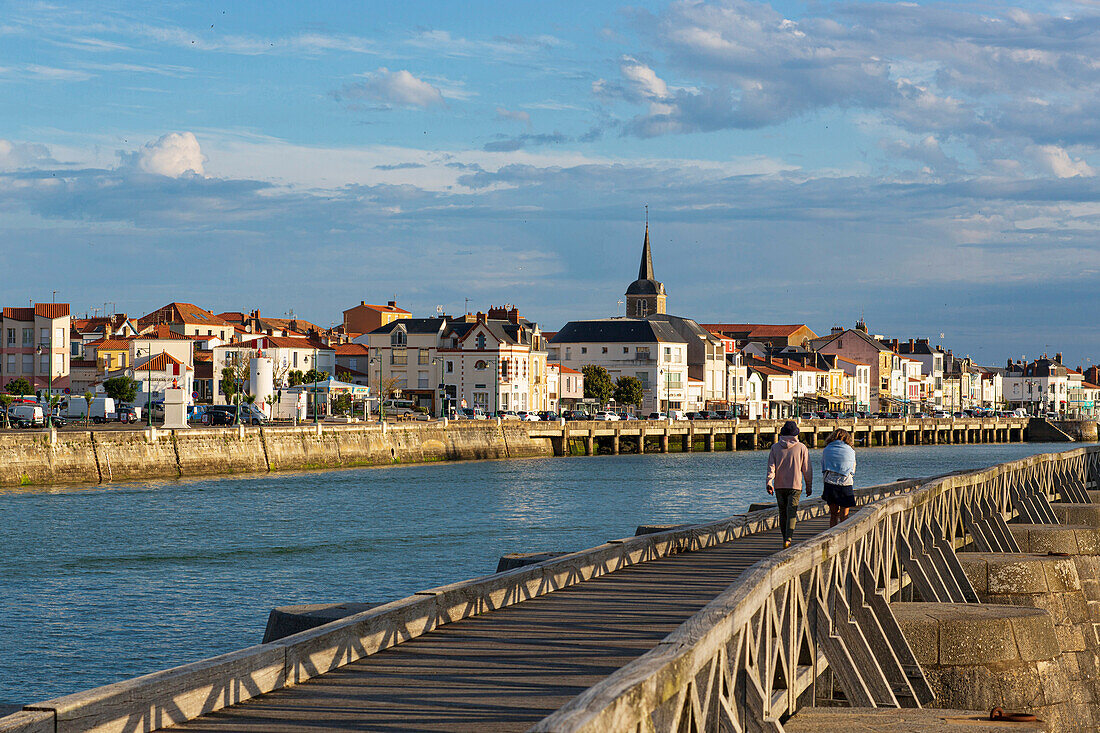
{"x": 28, "y": 337}
{"x": 59, "y": 334}
{"x": 295, "y": 358}
{"x": 28, "y": 363}
{"x": 481, "y": 341}
{"x": 398, "y": 338}
{"x": 450, "y": 367}
{"x": 44, "y": 364}
{"x": 568, "y": 353}
{"x": 399, "y": 357}
{"x": 58, "y": 365}
{"x": 11, "y": 363}
{"x": 605, "y": 349}
{"x": 422, "y": 380}
{"x": 626, "y": 349}
{"x": 43, "y": 335}
{"x": 584, "y": 349}
{"x": 643, "y": 377}
{"x": 479, "y": 364}
{"x": 643, "y": 308}
{"x": 74, "y": 349}
{"x": 11, "y": 337}
{"x": 422, "y": 358}
{"x": 668, "y": 353}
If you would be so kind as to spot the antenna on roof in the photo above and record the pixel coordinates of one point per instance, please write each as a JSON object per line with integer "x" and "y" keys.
{"x": 647, "y": 214}
{"x": 439, "y": 309}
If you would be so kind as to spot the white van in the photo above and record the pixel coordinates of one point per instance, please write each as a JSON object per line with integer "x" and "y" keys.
{"x": 102, "y": 408}
{"x": 1019, "y": 412}
{"x": 397, "y": 408}
{"x": 25, "y": 414}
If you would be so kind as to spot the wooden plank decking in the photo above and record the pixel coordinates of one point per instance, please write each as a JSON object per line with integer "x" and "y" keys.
{"x": 506, "y": 670}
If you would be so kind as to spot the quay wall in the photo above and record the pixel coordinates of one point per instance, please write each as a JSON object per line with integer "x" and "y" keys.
{"x": 40, "y": 458}
{"x": 101, "y": 456}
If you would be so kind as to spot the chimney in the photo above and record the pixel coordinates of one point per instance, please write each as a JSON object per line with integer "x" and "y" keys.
{"x": 480, "y": 317}
{"x": 838, "y": 329}
{"x": 1058, "y": 358}
{"x": 391, "y": 303}
{"x": 922, "y": 342}
{"x": 769, "y": 359}
{"x": 362, "y": 302}
{"x": 912, "y": 346}
{"x": 513, "y": 315}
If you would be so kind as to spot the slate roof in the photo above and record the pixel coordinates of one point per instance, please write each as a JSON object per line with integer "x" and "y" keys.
{"x": 617, "y": 330}
{"x": 413, "y": 325}
{"x": 182, "y": 313}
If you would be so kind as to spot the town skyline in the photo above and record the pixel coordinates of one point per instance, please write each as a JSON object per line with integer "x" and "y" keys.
{"x": 929, "y": 168}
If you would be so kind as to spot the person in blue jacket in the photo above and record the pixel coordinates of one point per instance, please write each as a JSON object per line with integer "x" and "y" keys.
{"x": 838, "y": 466}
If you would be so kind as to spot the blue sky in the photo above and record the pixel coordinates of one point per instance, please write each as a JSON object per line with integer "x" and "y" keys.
{"x": 932, "y": 167}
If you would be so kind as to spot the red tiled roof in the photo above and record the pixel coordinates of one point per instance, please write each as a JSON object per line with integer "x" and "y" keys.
{"x": 78, "y": 363}
{"x": 51, "y": 310}
{"x": 567, "y": 370}
{"x": 851, "y": 361}
{"x": 182, "y": 313}
{"x": 352, "y": 350}
{"x": 19, "y": 314}
{"x": 379, "y": 308}
{"x": 164, "y": 331}
{"x": 754, "y": 329}
{"x": 159, "y": 363}
{"x": 111, "y": 344}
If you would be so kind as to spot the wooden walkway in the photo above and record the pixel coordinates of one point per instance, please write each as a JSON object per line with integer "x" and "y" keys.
{"x": 506, "y": 670}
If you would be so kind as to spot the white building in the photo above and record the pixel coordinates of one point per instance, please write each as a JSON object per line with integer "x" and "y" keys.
{"x": 650, "y": 350}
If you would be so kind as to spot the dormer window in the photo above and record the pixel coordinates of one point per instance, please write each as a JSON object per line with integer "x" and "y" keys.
{"x": 481, "y": 341}
{"x": 399, "y": 337}
{"x": 643, "y": 309}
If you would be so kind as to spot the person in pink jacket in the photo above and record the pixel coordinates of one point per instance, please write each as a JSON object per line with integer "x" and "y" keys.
{"x": 788, "y": 467}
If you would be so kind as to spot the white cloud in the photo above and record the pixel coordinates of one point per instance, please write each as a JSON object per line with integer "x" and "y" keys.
{"x": 22, "y": 155}
{"x": 1056, "y": 161}
{"x": 399, "y": 88}
{"x": 643, "y": 79}
{"x": 517, "y": 115}
{"x": 172, "y": 155}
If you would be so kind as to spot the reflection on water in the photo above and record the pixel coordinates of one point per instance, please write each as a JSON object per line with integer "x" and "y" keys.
{"x": 108, "y": 582}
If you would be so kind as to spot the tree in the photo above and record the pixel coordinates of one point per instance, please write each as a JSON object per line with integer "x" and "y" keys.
{"x": 628, "y": 391}
{"x": 228, "y": 384}
{"x": 387, "y": 388}
{"x": 20, "y": 386}
{"x": 314, "y": 375}
{"x": 271, "y": 400}
{"x": 341, "y": 404}
{"x": 295, "y": 377}
{"x": 122, "y": 389}
{"x": 88, "y": 397}
{"x": 597, "y": 384}
{"x": 6, "y": 400}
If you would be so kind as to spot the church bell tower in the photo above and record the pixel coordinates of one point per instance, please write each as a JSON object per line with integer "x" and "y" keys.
{"x": 645, "y": 296}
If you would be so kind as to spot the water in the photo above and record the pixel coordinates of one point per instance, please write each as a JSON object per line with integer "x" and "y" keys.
{"x": 104, "y": 583}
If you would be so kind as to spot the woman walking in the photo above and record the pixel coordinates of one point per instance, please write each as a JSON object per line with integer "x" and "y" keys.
{"x": 788, "y": 467}
{"x": 838, "y": 468}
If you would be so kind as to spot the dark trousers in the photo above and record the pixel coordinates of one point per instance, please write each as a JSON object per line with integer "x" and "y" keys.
{"x": 787, "y": 499}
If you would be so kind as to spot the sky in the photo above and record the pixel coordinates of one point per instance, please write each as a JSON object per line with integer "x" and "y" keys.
{"x": 930, "y": 167}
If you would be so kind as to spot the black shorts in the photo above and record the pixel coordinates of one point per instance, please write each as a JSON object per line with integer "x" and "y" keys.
{"x": 839, "y": 495}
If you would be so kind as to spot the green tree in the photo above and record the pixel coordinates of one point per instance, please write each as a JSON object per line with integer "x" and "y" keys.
{"x": 88, "y": 397}
{"x": 295, "y": 377}
{"x": 628, "y": 391}
{"x": 341, "y": 404}
{"x": 597, "y": 384}
{"x": 122, "y": 389}
{"x": 20, "y": 386}
{"x": 228, "y": 384}
{"x": 314, "y": 375}
{"x": 6, "y": 400}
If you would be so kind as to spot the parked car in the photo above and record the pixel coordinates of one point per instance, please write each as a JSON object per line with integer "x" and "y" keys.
{"x": 692, "y": 415}
{"x": 227, "y": 415}
{"x": 705, "y": 415}
{"x": 507, "y": 415}
{"x": 195, "y": 413}
{"x": 27, "y": 415}
{"x": 529, "y": 417}
{"x": 472, "y": 413}
{"x": 127, "y": 414}
{"x": 657, "y": 416}
{"x": 723, "y": 415}
{"x": 605, "y": 416}
{"x": 576, "y": 415}
{"x": 549, "y": 416}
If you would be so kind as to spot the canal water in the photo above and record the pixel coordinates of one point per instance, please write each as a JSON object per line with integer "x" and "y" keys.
{"x": 103, "y": 583}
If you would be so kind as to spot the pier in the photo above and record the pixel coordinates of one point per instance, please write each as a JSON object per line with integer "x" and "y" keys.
{"x": 705, "y": 627}
{"x": 652, "y": 436}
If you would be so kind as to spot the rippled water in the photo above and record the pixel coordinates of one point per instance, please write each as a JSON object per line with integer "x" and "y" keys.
{"x": 104, "y": 583}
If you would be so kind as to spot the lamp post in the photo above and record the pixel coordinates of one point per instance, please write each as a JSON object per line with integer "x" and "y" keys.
{"x": 148, "y": 383}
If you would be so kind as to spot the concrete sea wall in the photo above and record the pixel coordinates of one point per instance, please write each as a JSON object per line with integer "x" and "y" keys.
{"x": 107, "y": 456}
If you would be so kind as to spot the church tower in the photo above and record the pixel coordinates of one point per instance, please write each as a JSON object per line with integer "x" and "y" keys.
{"x": 645, "y": 296}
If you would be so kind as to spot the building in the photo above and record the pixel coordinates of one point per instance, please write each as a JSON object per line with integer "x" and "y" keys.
{"x": 282, "y": 354}
{"x": 1039, "y": 387}
{"x": 365, "y": 317}
{"x": 495, "y": 360}
{"x": 188, "y": 319}
{"x": 773, "y": 336}
{"x": 651, "y": 350}
{"x": 566, "y": 387}
{"x": 36, "y": 346}
{"x": 859, "y": 346}
{"x": 931, "y": 359}
{"x": 255, "y": 323}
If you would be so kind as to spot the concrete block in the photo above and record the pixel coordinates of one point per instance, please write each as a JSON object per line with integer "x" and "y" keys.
{"x": 879, "y": 720}
{"x": 521, "y": 559}
{"x": 1061, "y": 574}
{"x": 1010, "y": 573}
{"x": 287, "y": 620}
{"x": 1087, "y": 514}
{"x": 1070, "y": 638}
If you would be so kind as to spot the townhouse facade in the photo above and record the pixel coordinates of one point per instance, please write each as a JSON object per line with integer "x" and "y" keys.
{"x": 35, "y": 346}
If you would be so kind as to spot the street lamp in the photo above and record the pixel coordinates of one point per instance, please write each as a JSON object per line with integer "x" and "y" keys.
{"x": 148, "y": 383}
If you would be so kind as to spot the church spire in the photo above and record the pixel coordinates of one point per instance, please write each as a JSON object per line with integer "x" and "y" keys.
{"x": 645, "y": 270}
